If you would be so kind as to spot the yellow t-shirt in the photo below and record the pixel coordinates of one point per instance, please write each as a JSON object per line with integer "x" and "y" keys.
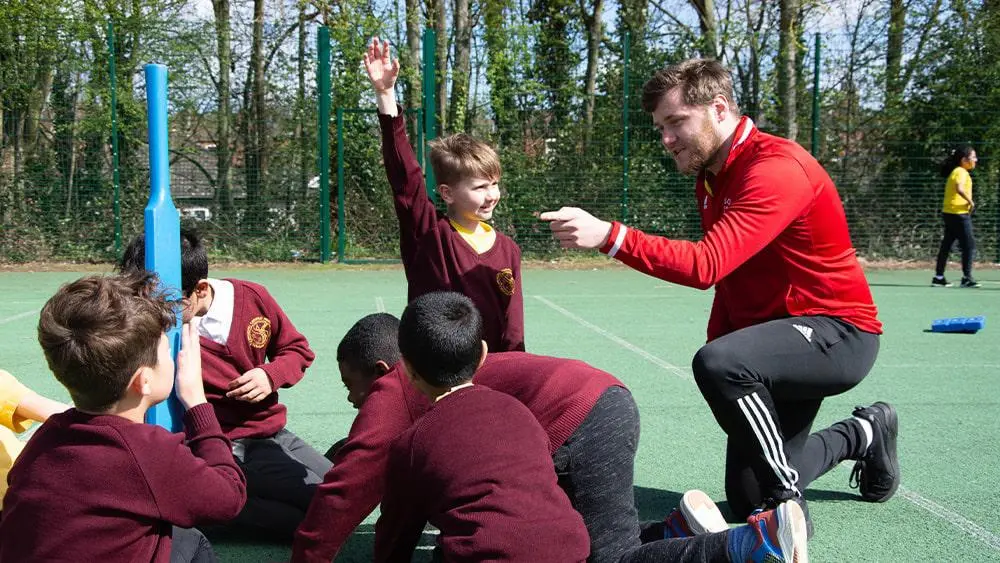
{"x": 11, "y": 393}
{"x": 481, "y": 239}
{"x": 954, "y": 203}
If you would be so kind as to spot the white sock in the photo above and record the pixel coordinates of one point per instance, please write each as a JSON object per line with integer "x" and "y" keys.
{"x": 867, "y": 427}
{"x": 938, "y": 277}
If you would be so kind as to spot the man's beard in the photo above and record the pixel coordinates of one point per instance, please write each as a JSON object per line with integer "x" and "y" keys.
{"x": 703, "y": 153}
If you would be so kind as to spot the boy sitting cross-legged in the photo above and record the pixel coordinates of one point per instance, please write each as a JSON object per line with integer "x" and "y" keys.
{"x": 250, "y": 349}
{"x": 457, "y": 251}
{"x": 95, "y": 483}
{"x": 476, "y": 465}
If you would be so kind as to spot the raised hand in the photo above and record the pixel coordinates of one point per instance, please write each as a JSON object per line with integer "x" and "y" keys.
{"x": 382, "y": 69}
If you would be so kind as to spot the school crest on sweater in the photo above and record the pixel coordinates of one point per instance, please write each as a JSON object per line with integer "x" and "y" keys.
{"x": 506, "y": 282}
{"x": 259, "y": 332}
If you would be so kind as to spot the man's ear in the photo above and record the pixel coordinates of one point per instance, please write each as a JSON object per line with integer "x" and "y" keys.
{"x": 721, "y": 108}
{"x": 444, "y": 190}
{"x": 382, "y": 368}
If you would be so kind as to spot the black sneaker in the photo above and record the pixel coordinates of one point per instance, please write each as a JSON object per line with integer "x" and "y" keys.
{"x": 969, "y": 282}
{"x": 939, "y": 282}
{"x": 876, "y": 473}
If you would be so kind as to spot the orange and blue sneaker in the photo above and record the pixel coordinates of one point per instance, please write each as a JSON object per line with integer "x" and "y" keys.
{"x": 779, "y": 534}
{"x": 696, "y": 515}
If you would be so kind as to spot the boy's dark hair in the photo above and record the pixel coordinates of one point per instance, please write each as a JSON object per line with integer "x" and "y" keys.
{"x": 373, "y": 338}
{"x": 97, "y": 331}
{"x": 194, "y": 259}
{"x": 954, "y": 159}
{"x": 440, "y": 335}
{"x": 700, "y": 80}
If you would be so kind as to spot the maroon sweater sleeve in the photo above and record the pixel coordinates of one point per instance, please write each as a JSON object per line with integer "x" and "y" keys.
{"x": 288, "y": 351}
{"x": 192, "y": 483}
{"x": 398, "y": 529}
{"x": 513, "y": 335}
{"x": 414, "y": 208}
{"x": 771, "y": 195}
{"x": 354, "y": 486}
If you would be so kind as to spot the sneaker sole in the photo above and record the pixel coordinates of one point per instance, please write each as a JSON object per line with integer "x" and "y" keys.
{"x": 892, "y": 428}
{"x": 792, "y": 536}
{"x": 702, "y": 515}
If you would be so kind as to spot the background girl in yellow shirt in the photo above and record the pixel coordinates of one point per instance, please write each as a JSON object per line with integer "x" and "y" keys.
{"x": 957, "y": 213}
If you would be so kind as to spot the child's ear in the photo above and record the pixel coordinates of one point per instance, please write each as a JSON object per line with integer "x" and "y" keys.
{"x": 382, "y": 368}
{"x": 444, "y": 190}
{"x": 140, "y": 382}
{"x": 203, "y": 288}
{"x": 482, "y": 355}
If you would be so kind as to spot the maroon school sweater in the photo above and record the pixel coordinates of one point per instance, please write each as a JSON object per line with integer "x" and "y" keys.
{"x": 437, "y": 258}
{"x": 560, "y": 394}
{"x": 477, "y": 467}
{"x": 261, "y": 336}
{"x": 103, "y": 488}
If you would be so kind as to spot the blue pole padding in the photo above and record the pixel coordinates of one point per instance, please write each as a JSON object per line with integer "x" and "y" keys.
{"x": 163, "y": 224}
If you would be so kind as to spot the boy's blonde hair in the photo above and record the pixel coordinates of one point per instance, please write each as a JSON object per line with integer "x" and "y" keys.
{"x": 460, "y": 156}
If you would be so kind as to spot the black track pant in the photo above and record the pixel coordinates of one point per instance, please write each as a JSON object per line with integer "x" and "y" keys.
{"x": 765, "y": 384}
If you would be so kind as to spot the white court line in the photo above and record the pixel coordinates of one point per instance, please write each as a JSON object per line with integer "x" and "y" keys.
{"x": 683, "y": 374}
{"x": 18, "y": 316}
{"x": 953, "y": 518}
{"x": 936, "y": 366}
{"x": 379, "y": 305}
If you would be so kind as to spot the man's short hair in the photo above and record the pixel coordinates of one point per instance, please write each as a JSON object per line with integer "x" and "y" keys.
{"x": 97, "y": 331}
{"x": 700, "y": 80}
{"x": 372, "y": 339}
{"x": 460, "y": 156}
{"x": 440, "y": 335}
{"x": 194, "y": 259}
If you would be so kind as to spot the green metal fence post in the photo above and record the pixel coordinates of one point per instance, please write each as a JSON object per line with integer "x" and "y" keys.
{"x": 625, "y": 123}
{"x": 814, "y": 149}
{"x": 114, "y": 141}
{"x": 323, "y": 82}
{"x": 430, "y": 115}
{"x": 341, "y": 219}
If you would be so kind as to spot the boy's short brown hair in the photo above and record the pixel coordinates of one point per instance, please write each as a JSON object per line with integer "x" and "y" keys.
{"x": 460, "y": 156}
{"x": 700, "y": 80}
{"x": 97, "y": 331}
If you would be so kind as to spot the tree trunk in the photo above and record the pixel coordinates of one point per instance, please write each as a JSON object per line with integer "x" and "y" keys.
{"x": 223, "y": 131}
{"x": 256, "y": 161}
{"x": 441, "y": 52}
{"x": 499, "y": 68}
{"x": 894, "y": 51}
{"x": 594, "y": 34}
{"x": 788, "y": 124}
{"x": 462, "y": 69}
{"x": 412, "y": 92}
{"x": 708, "y": 26}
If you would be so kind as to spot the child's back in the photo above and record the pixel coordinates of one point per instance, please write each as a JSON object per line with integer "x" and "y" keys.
{"x": 102, "y": 488}
{"x": 477, "y": 467}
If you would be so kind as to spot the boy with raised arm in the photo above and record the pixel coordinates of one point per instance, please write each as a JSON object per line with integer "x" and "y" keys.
{"x": 457, "y": 250}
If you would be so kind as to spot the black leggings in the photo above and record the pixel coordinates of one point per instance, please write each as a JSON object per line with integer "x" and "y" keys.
{"x": 957, "y": 227}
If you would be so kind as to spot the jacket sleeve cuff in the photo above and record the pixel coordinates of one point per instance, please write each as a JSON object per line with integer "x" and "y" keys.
{"x": 201, "y": 419}
{"x": 615, "y": 239}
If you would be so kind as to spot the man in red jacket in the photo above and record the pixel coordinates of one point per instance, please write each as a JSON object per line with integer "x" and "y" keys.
{"x": 793, "y": 319}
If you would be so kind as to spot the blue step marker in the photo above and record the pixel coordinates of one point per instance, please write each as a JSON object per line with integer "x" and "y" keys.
{"x": 967, "y": 325}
